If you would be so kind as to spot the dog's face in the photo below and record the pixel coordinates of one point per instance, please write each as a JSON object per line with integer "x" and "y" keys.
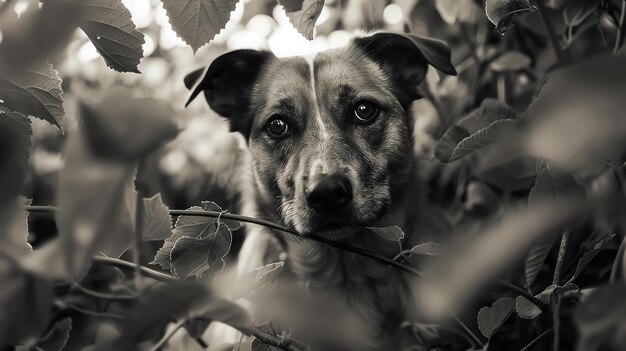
{"x": 329, "y": 135}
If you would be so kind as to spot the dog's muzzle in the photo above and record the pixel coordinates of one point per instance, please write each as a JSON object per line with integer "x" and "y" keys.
{"x": 329, "y": 193}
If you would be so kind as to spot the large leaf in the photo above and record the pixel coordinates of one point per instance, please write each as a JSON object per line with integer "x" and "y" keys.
{"x": 34, "y": 92}
{"x": 196, "y": 248}
{"x": 291, "y": 5}
{"x": 483, "y": 138}
{"x": 304, "y": 19}
{"x": 109, "y": 26}
{"x": 198, "y": 21}
{"x": 25, "y": 304}
{"x": 551, "y": 184}
{"x": 489, "y": 111}
{"x": 14, "y": 228}
{"x": 589, "y": 255}
{"x": 15, "y": 144}
{"x": 491, "y": 318}
{"x": 501, "y": 12}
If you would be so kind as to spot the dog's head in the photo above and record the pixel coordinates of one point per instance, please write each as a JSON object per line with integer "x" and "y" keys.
{"x": 330, "y": 136}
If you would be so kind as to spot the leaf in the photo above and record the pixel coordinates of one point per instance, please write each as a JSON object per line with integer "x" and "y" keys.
{"x": 125, "y": 128}
{"x": 35, "y": 92}
{"x": 157, "y": 221}
{"x": 491, "y": 318}
{"x": 196, "y": 248}
{"x": 510, "y": 61}
{"x": 109, "y": 26}
{"x": 430, "y": 249}
{"x": 15, "y": 139}
{"x": 483, "y": 138}
{"x": 535, "y": 259}
{"x": 291, "y": 5}
{"x": 160, "y": 304}
{"x": 501, "y": 12}
{"x": 391, "y": 233}
{"x": 222, "y": 310}
{"x": 57, "y": 336}
{"x": 25, "y": 304}
{"x": 589, "y": 255}
{"x": 14, "y": 228}
{"x": 577, "y": 11}
{"x": 304, "y": 19}
{"x": 525, "y": 308}
{"x": 489, "y": 111}
{"x": 197, "y": 22}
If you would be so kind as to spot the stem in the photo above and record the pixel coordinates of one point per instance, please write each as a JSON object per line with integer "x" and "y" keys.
{"x": 621, "y": 30}
{"x": 101, "y": 295}
{"x": 169, "y": 335}
{"x": 282, "y": 342}
{"x": 469, "y": 332}
{"x": 561, "y": 56}
{"x": 535, "y": 340}
{"x": 137, "y": 241}
{"x": 65, "y": 305}
{"x": 147, "y": 272}
{"x": 556, "y": 314}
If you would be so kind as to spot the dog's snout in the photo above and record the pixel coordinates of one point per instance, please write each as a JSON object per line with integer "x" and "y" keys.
{"x": 329, "y": 193}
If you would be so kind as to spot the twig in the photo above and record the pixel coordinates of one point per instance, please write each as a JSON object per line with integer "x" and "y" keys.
{"x": 282, "y": 342}
{"x": 556, "y": 280}
{"x": 535, "y": 340}
{"x": 137, "y": 240}
{"x": 101, "y": 295}
{"x": 146, "y": 272}
{"x": 169, "y": 335}
{"x": 561, "y": 56}
{"x": 621, "y": 30}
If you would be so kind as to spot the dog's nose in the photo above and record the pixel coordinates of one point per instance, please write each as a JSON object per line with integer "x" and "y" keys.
{"x": 330, "y": 193}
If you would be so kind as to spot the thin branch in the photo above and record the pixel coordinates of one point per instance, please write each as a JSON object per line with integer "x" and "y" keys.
{"x": 282, "y": 342}
{"x": 561, "y": 56}
{"x": 337, "y": 244}
{"x": 137, "y": 241}
{"x": 101, "y": 295}
{"x": 621, "y": 29}
{"x": 535, "y": 340}
{"x": 556, "y": 280}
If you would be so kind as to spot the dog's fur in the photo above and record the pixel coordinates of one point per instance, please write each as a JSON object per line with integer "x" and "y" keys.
{"x": 316, "y": 96}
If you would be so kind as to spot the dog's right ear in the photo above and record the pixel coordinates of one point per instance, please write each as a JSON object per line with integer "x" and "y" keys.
{"x": 227, "y": 85}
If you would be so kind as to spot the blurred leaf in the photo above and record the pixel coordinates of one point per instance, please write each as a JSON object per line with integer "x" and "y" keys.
{"x": 490, "y": 110}
{"x": 430, "y": 249}
{"x": 109, "y": 26}
{"x": 25, "y": 304}
{"x": 555, "y": 185}
{"x": 589, "y": 255}
{"x": 526, "y": 309}
{"x": 127, "y": 128}
{"x": 480, "y": 199}
{"x": 34, "y": 92}
{"x": 57, "y": 336}
{"x": 14, "y": 228}
{"x": 222, "y": 310}
{"x": 160, "y": 305}
{"x": 196, "y": 248}
{"x": 600, "y": 319}
{"x": 510, "y": 61}
{"x": 501, "y": 12}
{"x": 572, "y": 125}
{"x": 483, "y": 138}
{"x": 304, "y": 19}
{"x": 157, "y": 220}
{"x": 391, "y": 233}
{"x": 465, "y": 11}
{"x": 491, "y": 318}
{"x": 15, "y": 145}
{"x": 38, "y": 34}
{"x": 553, "y": 290}
{"x": 291, "y": 5}
{"x": 475, "y": 261}
{"x": 197, "y": 22}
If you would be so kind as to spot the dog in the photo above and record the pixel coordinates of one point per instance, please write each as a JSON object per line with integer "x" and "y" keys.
{"x": 330, "y": 145}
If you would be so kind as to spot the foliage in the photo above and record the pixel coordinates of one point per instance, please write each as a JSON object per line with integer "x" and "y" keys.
{"x": 524, "y": 149}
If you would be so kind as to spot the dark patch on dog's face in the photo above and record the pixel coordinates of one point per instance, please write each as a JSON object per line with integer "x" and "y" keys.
{"x": 317, "y": 100}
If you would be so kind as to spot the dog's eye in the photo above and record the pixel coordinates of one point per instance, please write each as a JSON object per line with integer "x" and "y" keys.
{"x": 365, "y": 111}
{"x": 277, "y": 127}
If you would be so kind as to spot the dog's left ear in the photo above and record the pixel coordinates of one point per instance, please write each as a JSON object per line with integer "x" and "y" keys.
{"x": 405, "y": 58}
